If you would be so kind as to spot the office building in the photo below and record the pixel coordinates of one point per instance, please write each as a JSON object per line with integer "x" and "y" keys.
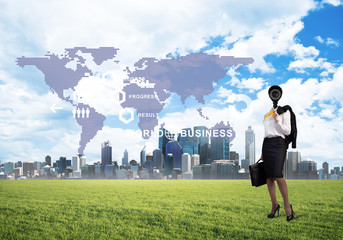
{"x": 8, "y": 168}
{"x": 142, "y": 157}
{"x": 157, "y": 159}
{"x": 218, "y": 145}
{"x": 98, "y": 172}
{"x": 83, "y": 160}
{"x": 195, "y": 160}
{"x": 169, "y": 163}
{"x": 188, "y": 141}
{"x": 125, "y": 159}
{"x": 28, "y": 168}
{"x": 76, "y": 163}
{"x": 164, "y": 137}
{"x": 174, "y": 148}
{"x": 186, "y": 163}
{"x": 18, "y": 171}
{"x": 250, "y": 145}
{"x": 84, "y": 171}
{"x": 234, "y": 156}
{"x": 106, "y": 154}
{"x": 109, "y": 171}
{"x": 325, "y": 167}
{"x": 18, "y": 164}
{"x": 203, "y": 144}
{"x": 245, "y": 164}
{"x": 336, "y": 170}
{"x": 149, "y": 164}
{"x": 307, "y": 169}
{"x": 62, "y": 164}
{"x": 48, "y": 160}
{"x": 291, "y": 164}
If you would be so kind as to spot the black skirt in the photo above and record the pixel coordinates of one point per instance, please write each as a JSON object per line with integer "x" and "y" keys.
{"x": 274, "y": 154}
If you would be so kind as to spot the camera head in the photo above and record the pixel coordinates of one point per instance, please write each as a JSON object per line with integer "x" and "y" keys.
{"x": 275, "y": 93}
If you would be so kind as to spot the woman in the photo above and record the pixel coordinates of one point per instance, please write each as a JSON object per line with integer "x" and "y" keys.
{"x": 274, "y": 150}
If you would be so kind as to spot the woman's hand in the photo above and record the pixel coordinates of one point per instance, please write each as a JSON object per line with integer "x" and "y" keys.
{"x": 276, "y": 116}
{"x": 261, "y": 157}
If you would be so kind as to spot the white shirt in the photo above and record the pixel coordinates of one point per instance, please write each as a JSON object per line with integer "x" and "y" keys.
{"x": 281, "y": 128}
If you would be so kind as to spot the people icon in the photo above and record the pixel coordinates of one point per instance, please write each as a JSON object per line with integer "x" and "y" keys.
{"x": 87, "y": 113}
{"x": 74, "y": 112}
{"x": 81, "y": 112}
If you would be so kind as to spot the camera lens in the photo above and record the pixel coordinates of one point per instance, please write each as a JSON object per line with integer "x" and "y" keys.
{"x": 275, "y": 93}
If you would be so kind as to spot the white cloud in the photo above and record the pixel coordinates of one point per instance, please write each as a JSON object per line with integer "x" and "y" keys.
{"x": 301, "y": 65}
{"x": 301, "y": 52}
{"x": 335, "y": 3}
{"x": 319, "y": 39}
{"x": 332, "y": 42}
{"x": 252, "y": 83}
{"x": 328, "y": 41}
{"x": 153, "y": 28}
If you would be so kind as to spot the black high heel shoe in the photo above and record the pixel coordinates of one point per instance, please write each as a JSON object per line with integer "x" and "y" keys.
{"x": 290, "y": 217}
{"x": 272, "y": 215}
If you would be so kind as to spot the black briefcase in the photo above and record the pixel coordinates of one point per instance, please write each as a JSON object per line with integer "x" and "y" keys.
{"x": 257, "y": 174}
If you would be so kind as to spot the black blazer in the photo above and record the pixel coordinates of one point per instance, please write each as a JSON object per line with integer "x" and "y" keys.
{"x": 292, "y": 137}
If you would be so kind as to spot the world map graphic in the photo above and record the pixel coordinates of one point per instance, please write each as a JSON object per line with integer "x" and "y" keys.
{"x": 186, "y": 76}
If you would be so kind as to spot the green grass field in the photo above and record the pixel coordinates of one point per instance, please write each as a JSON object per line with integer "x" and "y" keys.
{"x": 173, "y": 209}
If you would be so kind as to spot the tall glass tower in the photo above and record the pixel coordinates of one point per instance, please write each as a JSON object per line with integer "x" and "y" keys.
{"x": 143, "y": 157}
{"x": 250, "y": 145}
{"x": 189, "y": 142}
{"x": 157, "y": 158}
{"x": 106, "y": 153}
{"x": 203, "y": 144}
{"x": 174, "y": 148}
{"x": 125, "y": 159}
{"x": 164, "y": 139}
{"x": 218, "y": 148}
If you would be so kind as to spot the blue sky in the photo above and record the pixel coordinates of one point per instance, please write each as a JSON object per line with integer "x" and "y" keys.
{"x": 298, "y": 48}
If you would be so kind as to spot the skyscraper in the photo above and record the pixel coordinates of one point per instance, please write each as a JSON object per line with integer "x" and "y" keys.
{"x": 326, "y": 168}
{"x": 83, "y": 160}
{"x": 195, "y": 160}
{"x": 188, "y": 141}
{"x": 218, "y": 145}
{"x": 143, "y": 156}
{"x": 125, "y": 159}
{"x": 169, "y": 164}
{"x": 9, "y": 168}
{"x": 186, "y": 163}
{"x": 76, "y": 163}
{"x": 157, "y": 158}
{"x": 292, "y": 163}
{"x": 28, "y": 168}
{"x": 250, "y": 145}
{"x": 106, "y": 153}
{"x": 48, "y": 160}
{"x": 174, "y": 148}
{"x": 62, "y": 164}
{"x": 203, "y": 144}
{"x": 164, "y": 138}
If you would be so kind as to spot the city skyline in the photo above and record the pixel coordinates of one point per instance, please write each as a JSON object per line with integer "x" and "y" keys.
{"x": 249, "y": 141}
{"x": 186, "y": 148}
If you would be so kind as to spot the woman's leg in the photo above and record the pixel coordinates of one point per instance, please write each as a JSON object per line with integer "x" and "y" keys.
{"x": 272, "y": 193}
{"x": 284, "y": 192}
